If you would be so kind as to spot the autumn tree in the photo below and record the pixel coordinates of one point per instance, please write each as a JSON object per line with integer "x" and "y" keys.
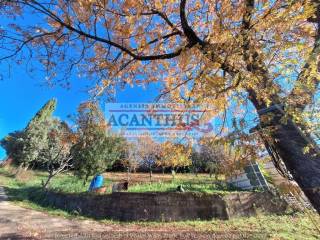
{"x": 175, "y": 155}
{"x": 220, "y": 156}
{"x": 262, "y": 54}
{"x": 213, "y": 157}
{"x": 131, "y": 159}
{"x": 148, "y": 153}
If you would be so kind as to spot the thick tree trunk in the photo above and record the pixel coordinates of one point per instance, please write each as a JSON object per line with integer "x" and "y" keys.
{"x": 290, "y": 144}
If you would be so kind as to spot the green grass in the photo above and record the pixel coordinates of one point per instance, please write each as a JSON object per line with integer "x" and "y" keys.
{"x": 68, "y": 183}
{"x": 63, "y": 182}
{"x": 188, "y": 186}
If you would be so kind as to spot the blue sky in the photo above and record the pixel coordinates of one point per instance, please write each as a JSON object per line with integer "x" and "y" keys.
{"x": 21, "y": 96}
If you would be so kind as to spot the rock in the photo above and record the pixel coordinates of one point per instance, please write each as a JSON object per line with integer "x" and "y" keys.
{"x": 121, "y": 186}
{"x": 180, "y": 189}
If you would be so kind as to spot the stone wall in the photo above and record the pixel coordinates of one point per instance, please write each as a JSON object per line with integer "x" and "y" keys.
{"x": 167, "y": 206}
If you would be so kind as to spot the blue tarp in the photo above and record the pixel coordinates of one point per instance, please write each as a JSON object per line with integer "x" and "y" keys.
{"x": 96, "y": 182}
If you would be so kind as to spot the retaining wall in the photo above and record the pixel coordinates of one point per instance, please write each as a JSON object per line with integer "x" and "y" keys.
{"x": 167, "y": 206}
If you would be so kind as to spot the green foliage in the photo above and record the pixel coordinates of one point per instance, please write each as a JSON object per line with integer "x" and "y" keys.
{"x": 95, "y": 150}
{"x": 34, "y": 141}
{"x": 56, "y": 156}
{"x": 58, "y": 144}
{"x": 43, "y": 114}
{"x": 13, "y": 145}
{"x": 209, "y": 157}
{"x": 36, "y": 133}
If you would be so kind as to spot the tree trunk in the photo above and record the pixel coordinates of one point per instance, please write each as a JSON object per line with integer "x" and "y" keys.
{"x": 128, "y": 174}
{"x": 19, "y": 169}
{"x": 173, "y": 173}
{"x": 46, "y": 184}
{"x": 216, "y": 176}
{"x": 85, "y": 180}
{"x": 290, "y": 144}
{"x": 150, "y": 174}
{"x": 195, "y": 171}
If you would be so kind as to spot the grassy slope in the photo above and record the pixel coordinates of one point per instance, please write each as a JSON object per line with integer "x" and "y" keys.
{"x": 140, "y": 183}
{"x": 295, "y": 226}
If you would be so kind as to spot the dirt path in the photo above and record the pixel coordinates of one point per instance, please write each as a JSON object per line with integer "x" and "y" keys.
{"x": 20, "y": 223}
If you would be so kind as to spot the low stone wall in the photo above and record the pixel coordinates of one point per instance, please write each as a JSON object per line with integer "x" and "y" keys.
{"x": 167, "y": 206}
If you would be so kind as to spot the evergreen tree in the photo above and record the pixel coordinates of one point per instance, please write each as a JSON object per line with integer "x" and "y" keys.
{"x": 36, "y": 133}
{"x": 13, "y": 144}
{"x": 43, "y": 114}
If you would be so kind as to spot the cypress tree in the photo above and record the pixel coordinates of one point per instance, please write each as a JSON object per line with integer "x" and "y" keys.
{"x": 36, "y": 134}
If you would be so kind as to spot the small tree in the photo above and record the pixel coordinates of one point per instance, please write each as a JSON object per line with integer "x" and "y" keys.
{"x": 36, "y": 134}
{"x": 175, "y": 155}
{"x": 224, "y": 157}
{"x": 148, "y": 152}
{"x": 13, "y": 145}
{"x": 95, "y": 152}
{"x": 56, "y": 156}
{"x": 131, "y": 160}
{"x": 197, "y": 162}
{"x": 95, "y": 149}
{"x": 213, "y": 157}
